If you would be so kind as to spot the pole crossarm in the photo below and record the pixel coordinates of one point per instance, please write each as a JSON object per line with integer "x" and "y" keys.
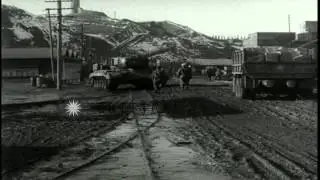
{"x": 56, "y": 16}
{"x": 60, "y": 1}
{"x": 57, "y": 8}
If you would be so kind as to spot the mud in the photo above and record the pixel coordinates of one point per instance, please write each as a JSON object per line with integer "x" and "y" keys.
{"x": 201, "y": 133}
{"x": 48, "y": 129}
{"x": 174, "y": 157}
{"x": 265, "y": 139}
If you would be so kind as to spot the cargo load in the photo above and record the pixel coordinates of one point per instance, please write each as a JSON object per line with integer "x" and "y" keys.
{"x": 272, "y": 54}
{"x": 255, "y": 54}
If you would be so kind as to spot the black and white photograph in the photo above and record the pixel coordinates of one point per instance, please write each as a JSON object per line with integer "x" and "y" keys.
{"x": 159, "y": 90}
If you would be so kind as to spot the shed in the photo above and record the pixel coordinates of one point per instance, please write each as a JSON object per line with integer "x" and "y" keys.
{"x": 26, "y": 62}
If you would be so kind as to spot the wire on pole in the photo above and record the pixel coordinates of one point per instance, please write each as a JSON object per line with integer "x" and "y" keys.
{"x": 59, "y": 38}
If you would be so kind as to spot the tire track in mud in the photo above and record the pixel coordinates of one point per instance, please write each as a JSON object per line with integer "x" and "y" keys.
{"x": 286, "y": 163}
{"x": 268, "y": 108}
{"x": 306, "y": 156}
{"x": 251, "y": 152}
{"x": 238, "y": 150}
{"x": 270, "y": 152}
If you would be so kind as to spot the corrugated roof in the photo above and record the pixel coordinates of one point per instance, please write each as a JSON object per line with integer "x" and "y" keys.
{"x": 212, "y": 62}
{"x": 28, "y": 53}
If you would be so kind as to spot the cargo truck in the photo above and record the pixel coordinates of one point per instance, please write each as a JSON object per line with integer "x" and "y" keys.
{"x": 256, "y": 70}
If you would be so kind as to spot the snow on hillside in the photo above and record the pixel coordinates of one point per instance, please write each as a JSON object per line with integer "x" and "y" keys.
{"x": 120, "y": 34}
{"x": 21, "y": 34}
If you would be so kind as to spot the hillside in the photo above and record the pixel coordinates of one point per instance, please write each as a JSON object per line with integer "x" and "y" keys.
{"x": 23, "y": 29}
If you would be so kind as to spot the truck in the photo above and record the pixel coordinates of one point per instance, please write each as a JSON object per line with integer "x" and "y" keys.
{"x": 283, "y": 71}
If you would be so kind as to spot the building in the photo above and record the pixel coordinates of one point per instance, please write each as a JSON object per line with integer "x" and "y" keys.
{"x": 266, "y": 39}
{"x": 310, "y": 26}
{"x": 310, "y": 31}
{"x": 26, "y": 62}
{"x": 307, "y": 36}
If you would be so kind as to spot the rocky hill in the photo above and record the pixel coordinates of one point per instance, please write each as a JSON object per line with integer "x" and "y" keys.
{"x": 23, "y": 29}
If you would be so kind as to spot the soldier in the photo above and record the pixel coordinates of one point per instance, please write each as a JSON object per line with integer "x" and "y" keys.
{"x": 185, "y": 74}
{"x": 218, "y": 73}
{"x": 209, "y": 72}
{"x": 84, "y": 74}
{"x": 158, "y": 75}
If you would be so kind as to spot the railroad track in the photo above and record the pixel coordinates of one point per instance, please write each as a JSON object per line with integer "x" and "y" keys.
{"x": 68, "y": 163}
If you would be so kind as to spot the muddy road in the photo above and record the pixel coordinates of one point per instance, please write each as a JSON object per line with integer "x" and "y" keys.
{"x": 202, "y": 133}
{"x": 262, "y": 139}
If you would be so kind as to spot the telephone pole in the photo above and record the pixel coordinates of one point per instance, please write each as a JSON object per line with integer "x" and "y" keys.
{"x": 51, "y": 44}
{"x": 59, "y": 39}
{"x": 289, "y": 22}
{"x": 82, "y": 41}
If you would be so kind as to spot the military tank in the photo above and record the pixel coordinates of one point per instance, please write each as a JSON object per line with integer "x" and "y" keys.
{"x": 135, "y": 70}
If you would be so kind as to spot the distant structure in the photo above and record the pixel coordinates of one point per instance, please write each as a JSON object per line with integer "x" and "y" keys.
{"x": 309, "y": 31}
{"x": 75, "y": 6}
{"x": 266, "y": 39}
{"x": 230, "y": 38}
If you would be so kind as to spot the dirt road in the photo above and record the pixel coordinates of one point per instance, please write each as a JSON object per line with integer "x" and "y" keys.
{"x": 203, "y": 133}
{"x": 263, "y": 139}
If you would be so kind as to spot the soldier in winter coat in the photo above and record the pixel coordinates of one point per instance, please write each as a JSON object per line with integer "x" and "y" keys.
{"x": 159, "y": 78}
{"x": 185, "y": 75}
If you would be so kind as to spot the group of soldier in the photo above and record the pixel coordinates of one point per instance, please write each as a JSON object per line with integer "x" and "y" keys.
{"x": 215, "y": 72}
{"x": 184, "y": 74}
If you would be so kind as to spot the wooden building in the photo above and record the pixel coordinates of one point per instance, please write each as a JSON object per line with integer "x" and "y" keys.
{"x": 26, "y": 62}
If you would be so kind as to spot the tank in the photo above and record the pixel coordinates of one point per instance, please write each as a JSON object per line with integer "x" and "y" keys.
{"x": 135, "y": 70}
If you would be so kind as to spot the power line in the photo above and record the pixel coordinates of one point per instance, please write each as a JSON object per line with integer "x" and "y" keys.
{"x": 51, "y": 44}
{"x": 60, "y": 67}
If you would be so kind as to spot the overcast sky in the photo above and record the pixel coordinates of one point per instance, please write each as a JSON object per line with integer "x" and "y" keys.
{"x": 221, "y": 17}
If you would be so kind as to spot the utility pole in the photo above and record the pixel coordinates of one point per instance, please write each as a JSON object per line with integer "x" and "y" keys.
{"x": 289, "y": 22}
{"x": 59, "y": 39}
{"x": 51, "y": 45}
{"x": 82, "y": 41}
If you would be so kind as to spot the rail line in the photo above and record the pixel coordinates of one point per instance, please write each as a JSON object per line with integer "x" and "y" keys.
{"x": 110, "y": 151}
{"x": 55, "y": 172}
